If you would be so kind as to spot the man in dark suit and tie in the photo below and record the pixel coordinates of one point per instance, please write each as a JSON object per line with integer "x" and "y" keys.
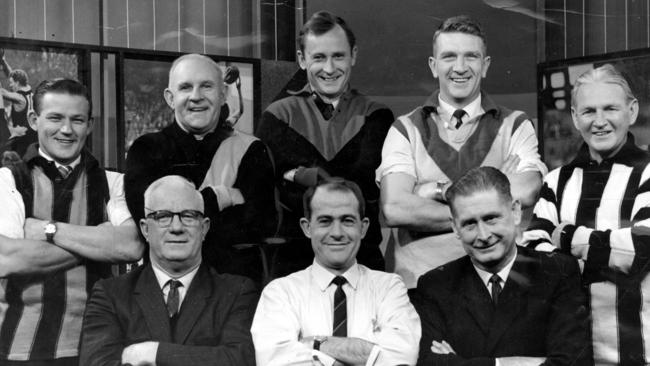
{"x": 501, "y": 304}
{"x": 174, "y": 310}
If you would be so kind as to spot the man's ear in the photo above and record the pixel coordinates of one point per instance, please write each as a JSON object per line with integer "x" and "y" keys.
{"x": 33, "y": 119}
{"x": 365, "y": 224}
{"x": 144, "y": 228}
{"x": 169, "y": 97}
{"x": 355, "y": 50}
{"x": 301, "y": 60}
{"x": 205, "y": 227}
{"x": 454, "y": 228}
{"x": 91, "y": 124}
{"x": 634, "y": 110}
{"x": 486, "y": 65}
{"x": 304, "y": 224}
{"x": 516, "y": 211}
{"x": 432, "y": 66}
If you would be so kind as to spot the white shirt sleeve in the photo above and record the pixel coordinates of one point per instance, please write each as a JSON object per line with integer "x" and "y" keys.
{"x": 12, "y": 214}
{"x": 396, "y": 156}
{"x": 117, "y": 210}
{"x": 524, "y": 144}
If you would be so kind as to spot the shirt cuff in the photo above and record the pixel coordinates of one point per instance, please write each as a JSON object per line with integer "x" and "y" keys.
{"x": 374, "y": 353}
{"x": 323, "y": 358}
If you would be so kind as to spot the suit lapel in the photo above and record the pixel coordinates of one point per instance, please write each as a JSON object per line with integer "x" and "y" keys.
{"x": 193, "y": 304}
{"x": 150, "y": 299}
{"x": 513, "y": 299}
{"x": 478, "y": 302}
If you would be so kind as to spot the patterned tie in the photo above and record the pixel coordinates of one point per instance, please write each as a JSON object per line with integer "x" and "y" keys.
{"x": 495, "y": 280}
{"x": 339, "y": 326}
{"x": 172, "y": 298}
{"x": 458, "y": 114}
{"x": 64, "y": 171}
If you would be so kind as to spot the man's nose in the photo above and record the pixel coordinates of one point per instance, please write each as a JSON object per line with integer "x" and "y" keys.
{"x": 66, "y": 126}
{"x": 196, "y": 94}
{"x": 176, "y": 225}
{"x": 483, "y": 232}
{"x": 329, "y": 65}
{"x": 460, "y": 65}
{"x": 336, "y": 231}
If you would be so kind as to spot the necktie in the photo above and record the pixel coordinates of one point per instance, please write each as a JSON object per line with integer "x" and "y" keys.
{"x": 495, "y": 280}
{"x": 458, "y": 115}
{"x": 64, "y": 171}
{"x": 326, "y": 109}
{"x": 340, "y": 326}
{"x": 173, "y": 299}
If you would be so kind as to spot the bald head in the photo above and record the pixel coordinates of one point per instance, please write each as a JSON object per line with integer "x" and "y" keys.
{"x": 172, "y": 188}
{"x": 195, "y": 57}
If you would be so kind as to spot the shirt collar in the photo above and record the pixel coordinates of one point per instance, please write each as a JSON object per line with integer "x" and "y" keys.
{"x": 307, "y": 91}
{"x": 163, "y": 277}
{"x": 323, "y": 277}
{"x": 628, "y": 154}
{"x": 472, "y": 109}
{"x": 485, "y": 105}
{"x": 503, "y": 274}
{"x": 47, "y": 157}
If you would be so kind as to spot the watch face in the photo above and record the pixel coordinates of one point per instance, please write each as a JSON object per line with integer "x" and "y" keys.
{"x": 50, "y": 228}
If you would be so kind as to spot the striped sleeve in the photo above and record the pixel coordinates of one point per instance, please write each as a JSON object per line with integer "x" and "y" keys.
{"x": 545, "y": 216}
{"x": 625, "y": 249}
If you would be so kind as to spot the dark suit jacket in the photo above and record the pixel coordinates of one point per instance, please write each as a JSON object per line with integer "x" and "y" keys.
{"x": 541, "y": 312}
{"x": 213, "y": 326}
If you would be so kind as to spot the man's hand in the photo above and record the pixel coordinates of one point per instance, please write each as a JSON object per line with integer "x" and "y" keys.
{"x": 35, "y": 229}
{"x": 140, "y": 354}
{"x": 510, "y": 165}
{"x": 441, "y": 348}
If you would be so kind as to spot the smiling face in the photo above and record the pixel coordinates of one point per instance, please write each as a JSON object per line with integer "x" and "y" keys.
{"x": 335, "y": 228}
{"x": 459, "y": 62}
{"x": 196, "y": 94}
{"x": 175, "y": 248}
{"x": 602, "y": 114}
{"x": 62, "y": 125}
{"x": 487, "y": 227}
{"x": 328, "y": 60}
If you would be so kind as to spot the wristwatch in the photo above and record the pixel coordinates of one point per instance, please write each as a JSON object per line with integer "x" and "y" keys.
{"x": 439, "y": 192}
{"x": 318, "y": 340}
{"x": 50, "y": 230}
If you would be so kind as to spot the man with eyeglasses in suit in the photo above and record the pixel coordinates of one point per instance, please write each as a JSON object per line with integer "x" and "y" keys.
{"x": 176, "y": 309}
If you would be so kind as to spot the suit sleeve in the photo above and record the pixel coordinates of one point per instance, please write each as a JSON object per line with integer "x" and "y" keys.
{"x": 434, "y": 328}
{"x": 567, "y": 330}
{"x": 236, "y": 345}
{"x": 102, "y": 340}
{"x": 624, "y": 249}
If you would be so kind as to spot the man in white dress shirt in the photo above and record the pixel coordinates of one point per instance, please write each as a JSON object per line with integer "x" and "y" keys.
{"x": 336, "y": 311}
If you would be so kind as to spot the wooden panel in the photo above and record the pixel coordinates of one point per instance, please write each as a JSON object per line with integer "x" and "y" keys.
{"x": 637, "y": 24}
{"x": 615, "y": 21}
{"x": 86, "y": 21}
{"x": 166, "y": 25}
{"x": 58, "y": 20}
{"x": 216, "y": 27}
{"x": 191, "y": 32}
{"x": 7, "y": 18}
{"x": 241, "y": 28}
{"x": 594, "y": 27}
{"x": 30, "y": 19}
{"x": 115, "y": 23}
{"x": 555, "y": 40}
{"x": 141, "y": 24}
{"x": 574, "y": 29}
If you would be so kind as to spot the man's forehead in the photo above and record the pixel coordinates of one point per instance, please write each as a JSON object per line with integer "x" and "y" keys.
{"x": 313, "y": 40}
{"x": 195, "y": 69}
{"x": 329, "y": 202}
{"x": 449, "y": 40}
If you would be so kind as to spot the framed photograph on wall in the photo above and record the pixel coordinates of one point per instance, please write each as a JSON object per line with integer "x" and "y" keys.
{"x": 559, "y": 139}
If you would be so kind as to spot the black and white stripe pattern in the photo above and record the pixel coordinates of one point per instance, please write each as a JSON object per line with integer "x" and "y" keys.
{"x": 600, "y": 213}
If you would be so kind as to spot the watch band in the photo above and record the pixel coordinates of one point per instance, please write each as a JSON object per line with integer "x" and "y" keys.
{"x": 318, "y": 340}
{"x": 50, "y": 229}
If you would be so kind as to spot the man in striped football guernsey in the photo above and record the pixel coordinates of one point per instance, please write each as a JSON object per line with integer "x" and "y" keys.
{"x": 596, "y": 208}
{"x": 63, "y": 220}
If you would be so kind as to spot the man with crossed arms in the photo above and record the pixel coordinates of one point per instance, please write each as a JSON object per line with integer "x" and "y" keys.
{"x": 336, "y": 311}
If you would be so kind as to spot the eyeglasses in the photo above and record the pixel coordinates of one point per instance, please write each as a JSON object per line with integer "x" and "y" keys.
{"x": 164, "y": 218}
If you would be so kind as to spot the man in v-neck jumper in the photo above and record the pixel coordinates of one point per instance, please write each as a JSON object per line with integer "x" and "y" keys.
{"x": 458, "y": 128}
{"x": 325, "y": 129}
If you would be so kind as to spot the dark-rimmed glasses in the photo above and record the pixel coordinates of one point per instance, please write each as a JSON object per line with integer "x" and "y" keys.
{"x": 164, "y": 218}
